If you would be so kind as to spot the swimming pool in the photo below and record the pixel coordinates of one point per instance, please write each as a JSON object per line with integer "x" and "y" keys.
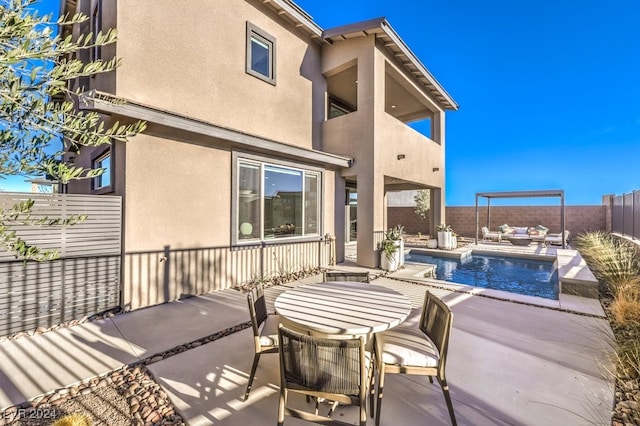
{"x": 517, "y": 275}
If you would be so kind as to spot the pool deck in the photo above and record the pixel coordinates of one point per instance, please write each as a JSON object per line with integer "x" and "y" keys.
{"x": 576, "y": 280}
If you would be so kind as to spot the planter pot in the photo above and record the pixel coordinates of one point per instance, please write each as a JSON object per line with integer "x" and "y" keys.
{"x": 444, "y": 240}
{"x": 433, "y": 243}
{"x": 454, "y": 242}
{"x": 401, "y": 253}
{"x": 392, "y": 262}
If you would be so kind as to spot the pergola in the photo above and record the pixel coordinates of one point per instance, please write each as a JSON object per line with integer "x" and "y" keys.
{"x": 520, "y": 194}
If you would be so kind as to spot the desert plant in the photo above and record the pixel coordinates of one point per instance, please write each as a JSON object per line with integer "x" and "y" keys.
{"x": 444, "y": 228}
{"x": 625, "y": 306}
{"x": 614, "y": 261}
{"x": 388, "y": 247}
{"x": 396, "y": 233}
{"x": 75, "y": 419}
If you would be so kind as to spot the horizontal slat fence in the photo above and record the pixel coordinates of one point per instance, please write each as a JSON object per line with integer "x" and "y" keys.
{"x": 86, "y": 278}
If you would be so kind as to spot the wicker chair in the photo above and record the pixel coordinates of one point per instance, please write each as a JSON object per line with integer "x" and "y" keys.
{"x": 265, "y": 338}
{"x": 331, "y": 369}
{"x": 362, "y": 277}
{"x": 420, "y": 350}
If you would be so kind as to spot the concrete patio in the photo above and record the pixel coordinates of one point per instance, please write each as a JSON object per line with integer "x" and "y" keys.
{"x": 509, "y": 362}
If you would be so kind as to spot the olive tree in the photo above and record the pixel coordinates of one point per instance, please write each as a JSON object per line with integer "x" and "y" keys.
{"x": 38, "y": 118}
{"x": 423, "y": 203}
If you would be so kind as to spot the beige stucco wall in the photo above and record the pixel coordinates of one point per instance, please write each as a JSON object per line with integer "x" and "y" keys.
{"x": 178, "y": 193}
{"x": 191, "y": 60}
{"x": 177, "y": 228}
{"x": 374, "y": 139}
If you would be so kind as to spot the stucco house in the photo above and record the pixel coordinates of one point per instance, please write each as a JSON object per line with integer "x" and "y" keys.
{"x": 262, "y": 128}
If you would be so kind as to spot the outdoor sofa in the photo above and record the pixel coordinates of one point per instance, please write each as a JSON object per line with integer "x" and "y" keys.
{"x": 536, "y": 233}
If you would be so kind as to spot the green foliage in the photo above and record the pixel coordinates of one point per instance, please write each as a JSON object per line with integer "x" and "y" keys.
{"x": 20, "y": 214}
{"x": 37, "y": 109}
{"x": 394, "y": 234}
{"x": 36, "y": 102}
{"x": 388, "y": 247}
{"x": 444, "y": 228}
{"x": 423, "y": 203}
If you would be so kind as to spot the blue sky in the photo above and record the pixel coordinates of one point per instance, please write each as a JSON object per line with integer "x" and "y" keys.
{"x": 549, "y": 91}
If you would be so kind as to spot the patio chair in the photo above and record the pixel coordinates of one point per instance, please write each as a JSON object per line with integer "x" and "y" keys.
{"x": 265, "y": 330}
{"x": 556, "y": 239}
{"x": 362, "y": 277}
{"x": 331, "y": 369}
{"x": 488, "y": 235}
{"x": 420, "y": 350}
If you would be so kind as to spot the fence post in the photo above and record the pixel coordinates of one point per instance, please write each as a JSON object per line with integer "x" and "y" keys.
{"x": 262, "y": 247}
{"x": 166, "y": 259}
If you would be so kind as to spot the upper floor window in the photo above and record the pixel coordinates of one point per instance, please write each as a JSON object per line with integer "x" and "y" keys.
{"x": 261, "y": 54}
{"x": 95, "y": 28}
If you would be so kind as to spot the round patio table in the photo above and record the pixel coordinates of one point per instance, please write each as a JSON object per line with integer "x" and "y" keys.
{"x": 342, "y": 308}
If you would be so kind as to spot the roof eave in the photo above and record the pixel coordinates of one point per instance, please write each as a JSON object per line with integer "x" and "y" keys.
{"x": 421, "y": 73}
{"x": 109, "y": 104}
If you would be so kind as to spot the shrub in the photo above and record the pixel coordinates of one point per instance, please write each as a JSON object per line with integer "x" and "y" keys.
{"x": 73, "y": 420}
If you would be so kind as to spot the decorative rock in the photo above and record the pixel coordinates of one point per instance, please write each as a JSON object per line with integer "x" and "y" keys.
{"x": 153, "y": 417}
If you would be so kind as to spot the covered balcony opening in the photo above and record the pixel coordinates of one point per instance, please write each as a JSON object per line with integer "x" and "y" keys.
{"x": 405, "y": 103}
{"x": 342, "y": 90}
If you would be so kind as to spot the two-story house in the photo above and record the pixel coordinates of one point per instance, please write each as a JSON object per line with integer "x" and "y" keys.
{"x": 262, "y": 128}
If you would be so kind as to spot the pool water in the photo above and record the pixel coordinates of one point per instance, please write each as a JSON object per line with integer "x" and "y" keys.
{"x": 517, "y": 275}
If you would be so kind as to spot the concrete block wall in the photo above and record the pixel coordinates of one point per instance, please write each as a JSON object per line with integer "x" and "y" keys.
{"x": 407, "y": 217}
{"x": 578, "y": 219}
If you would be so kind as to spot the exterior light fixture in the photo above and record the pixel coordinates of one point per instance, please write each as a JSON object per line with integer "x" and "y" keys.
{"x": 401, "y": 156}
{"x": 393, "y": 106}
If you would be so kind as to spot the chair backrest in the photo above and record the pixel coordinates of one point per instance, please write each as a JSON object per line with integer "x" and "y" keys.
{"x": 485, "y": 230}
{"x": 362, "y": 277}
{"x": 436, "y": 322}
{"x": 257, "y": 308}
{"x": 320, "y": 364}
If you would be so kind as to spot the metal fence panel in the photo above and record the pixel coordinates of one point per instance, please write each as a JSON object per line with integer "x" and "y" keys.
{"x": 617, "y": 215}
{"x": 627, "y": 214}
{"x": 636, "y": 214}
{"x": 152, "y": 277}
{"x": 86, "y": 278}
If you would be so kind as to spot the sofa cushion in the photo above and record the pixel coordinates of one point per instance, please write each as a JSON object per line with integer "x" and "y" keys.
{"x": 542, "y": 229}
{"x": 520, "y": 230}
{"x": 505, "y": 229}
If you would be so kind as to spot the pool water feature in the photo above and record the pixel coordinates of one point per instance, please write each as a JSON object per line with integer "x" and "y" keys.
{"x": 517, "y": 275}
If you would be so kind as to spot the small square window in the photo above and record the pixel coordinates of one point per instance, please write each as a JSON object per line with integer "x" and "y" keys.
{"x": 261, "y": 54}
{"x": 103, "y": 182}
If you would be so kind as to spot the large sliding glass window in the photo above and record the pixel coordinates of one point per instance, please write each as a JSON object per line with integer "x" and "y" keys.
{"x": 275, "y": 201}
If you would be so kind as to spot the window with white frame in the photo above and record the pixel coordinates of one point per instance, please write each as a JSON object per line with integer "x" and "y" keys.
{"x": 261, "y": 54}
{"x": 275, "y": 201}
{"x": 103, "y": 181}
